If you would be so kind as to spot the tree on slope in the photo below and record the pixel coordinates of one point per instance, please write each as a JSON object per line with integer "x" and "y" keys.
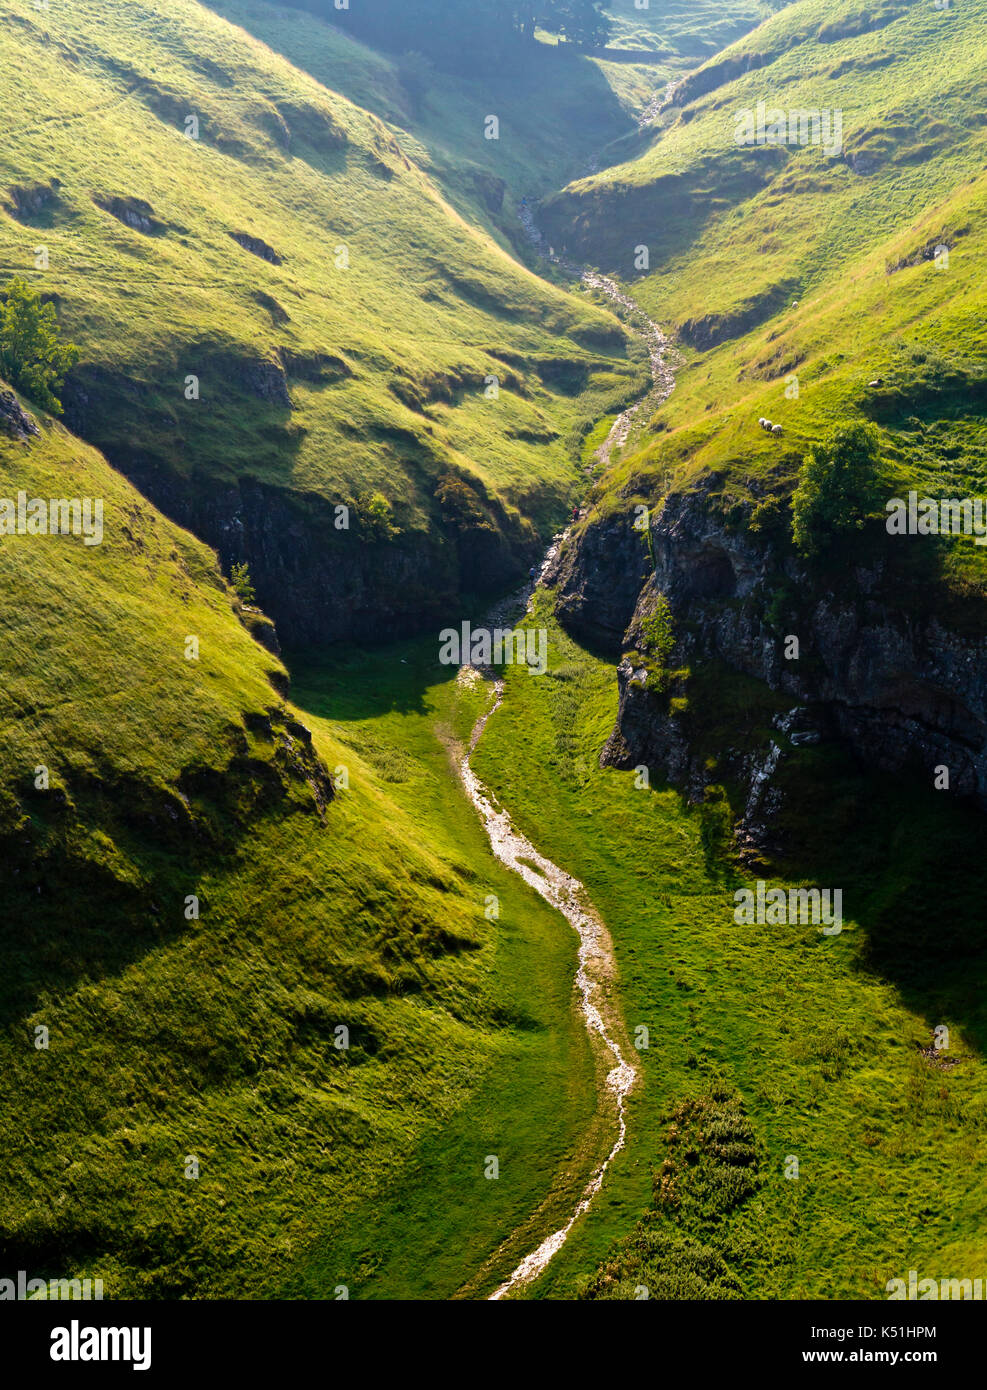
{"x": 32, "y": 357}
{"x": 839, "y": 487}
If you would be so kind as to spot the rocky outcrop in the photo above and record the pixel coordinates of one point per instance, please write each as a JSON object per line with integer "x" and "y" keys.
{"x": 30, "y": 201}
{"x": 895, "y": 682}
{"x": 257, "y": 247}
{"x": 709, "y": 330}
{"x": 599, "y": 575}
{"x": 135, "y": 213}
{"x": 321, "y": 572}
{"x": 14, "y": 419}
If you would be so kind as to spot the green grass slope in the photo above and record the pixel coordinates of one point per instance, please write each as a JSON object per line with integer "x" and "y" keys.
{"x": 808, "y": 290}
{"x": 138, "y": 1039}
{"x": 908, "y": 82}
{"x": 765, "y": 1042}
{"x": 341, "y": 319}
{"x": 558, "y": 107}
{"x": 679, "y": 35}
{"x": 796, "y": 281}
{"x": 694, "y": 32}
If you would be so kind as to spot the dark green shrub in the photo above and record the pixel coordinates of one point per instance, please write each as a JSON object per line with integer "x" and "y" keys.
{"x": 31, "y": 356}
{"x": 839, "y": 486}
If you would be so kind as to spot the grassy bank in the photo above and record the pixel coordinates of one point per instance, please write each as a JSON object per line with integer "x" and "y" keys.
{"x": 818, "y": 1036}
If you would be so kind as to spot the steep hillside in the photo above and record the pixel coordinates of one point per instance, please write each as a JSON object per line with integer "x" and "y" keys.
{"x": 679, "y": 36}
{"x": 809, "y": 290}
{"x": 270, "y": 1004}
{"x": 235, "y": 1001}
{"x": 283, "y": 317}
{"x": 555, "y": 108}
{"x": 908, "y": 86}
{"x": 559, "y": 108}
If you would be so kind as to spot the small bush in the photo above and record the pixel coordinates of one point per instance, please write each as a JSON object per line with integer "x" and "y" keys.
{"x": 684, "y": 1246}
{"x": 240, "y": 580}
{"x": 657, "y": 631}
{"x": 376, "y": 516}
{"x": 31, "y": 356}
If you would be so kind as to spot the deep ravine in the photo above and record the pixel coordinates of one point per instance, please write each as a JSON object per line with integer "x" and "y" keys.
{"x": 597, "y": 971}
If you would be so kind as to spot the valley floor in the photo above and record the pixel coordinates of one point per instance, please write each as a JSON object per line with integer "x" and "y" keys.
{"x": 821, "y": 1054}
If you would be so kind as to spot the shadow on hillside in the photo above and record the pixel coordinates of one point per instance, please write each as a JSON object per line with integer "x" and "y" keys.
{"x": 911, "y": 863}
{"x": 103, "y": 880}
{"x": 668, "y": 213}
{"x": 346, "y": 684}
{"x": 66, "y": 919}
{"x": 539, "y": 75}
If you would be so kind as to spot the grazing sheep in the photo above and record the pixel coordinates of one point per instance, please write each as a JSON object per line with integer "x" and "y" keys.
{"x": 777, "y": 429}
{"x": 762, "y": 422}
{"x": 878, "y": 381}
{"x": 795, "y": 304}
{"x": 765, "y": 424}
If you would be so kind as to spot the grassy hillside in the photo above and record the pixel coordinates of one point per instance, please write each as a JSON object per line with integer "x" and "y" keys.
{"x": 556, "y": 110}
{"x": 173, "y": 1037}
{"x": 679, "y": 34}
{"x": 559, "y": 108}
{"x": 796, "y": 281}
{"x": 806, "y": 289}
{"x": 340, "y": 317}
{"x": 693, "y": 31}
{"x": 258, "y": 1036}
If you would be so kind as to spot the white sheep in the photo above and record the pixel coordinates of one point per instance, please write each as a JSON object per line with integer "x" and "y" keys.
{"x": 777, "y": 429}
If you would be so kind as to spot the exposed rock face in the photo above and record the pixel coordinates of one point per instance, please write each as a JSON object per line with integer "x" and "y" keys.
{"x": 318, "y": 582}
{"x": 14, "y": 419}
{"x": 29, "y": 201}
{"x": 256, "y": 247}
{"x": 263, "y": 377}
{"x": 133, "y": 212}
{"x": 261, "y": 629}
{"x": 863, "y": 162}
{"x": 902, "y": 690}
{"x": 711, "y": 329}
{"x": 600, "y": 577}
